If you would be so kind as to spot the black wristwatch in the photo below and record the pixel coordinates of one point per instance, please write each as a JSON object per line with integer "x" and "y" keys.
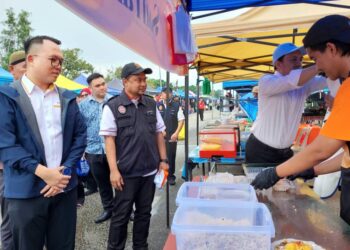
{"x": 164, "y": 160}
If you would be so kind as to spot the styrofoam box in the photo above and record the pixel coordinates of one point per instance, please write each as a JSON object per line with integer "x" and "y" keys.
{"x": 195, "y": 191}
{"x": 223, "y": 225}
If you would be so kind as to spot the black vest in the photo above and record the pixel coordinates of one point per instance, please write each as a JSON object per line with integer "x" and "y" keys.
{"x": 136, "y": 141}
{"x": 169, "y": 116}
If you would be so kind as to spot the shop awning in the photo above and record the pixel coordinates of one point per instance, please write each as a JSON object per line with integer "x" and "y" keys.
{"x": 66, "y": 83}
{"x": 241, "y": 47}
{"x": 201, "y": 5}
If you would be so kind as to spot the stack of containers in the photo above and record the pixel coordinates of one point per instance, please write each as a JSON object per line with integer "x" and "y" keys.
{"x": 221, "y": 216}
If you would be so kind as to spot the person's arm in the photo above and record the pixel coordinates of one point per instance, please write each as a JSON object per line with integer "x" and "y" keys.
{"x": 79, "y": 142}
{"x": 319, "y": 150}
{"x": 329, "y": 166}
{"x": 111, "y": 153}
{"x": 160, "y": 128}
{"x": 270, "y": 85}
{"x": 180, "y": 124}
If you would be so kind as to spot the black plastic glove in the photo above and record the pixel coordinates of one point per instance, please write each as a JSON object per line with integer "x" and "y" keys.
{"x": 266, "y": 178}
{"x": 306, "y": 175}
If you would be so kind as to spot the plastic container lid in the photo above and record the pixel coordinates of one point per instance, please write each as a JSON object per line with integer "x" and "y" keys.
{"x": 191, "y": 192}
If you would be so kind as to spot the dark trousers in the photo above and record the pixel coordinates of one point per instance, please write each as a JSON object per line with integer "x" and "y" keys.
{"x": 90, "y": 182}
{"x": 259, "y": 152}
{"x": 42, "y": 220}
{"x": 80, "y": 190}
{"x": 6, "y": 234}
{"x": 100, "y": 171}
{"x": 138, "y": 190}
{"x": 171, "y": 154}
{"x": 201, "y": 114}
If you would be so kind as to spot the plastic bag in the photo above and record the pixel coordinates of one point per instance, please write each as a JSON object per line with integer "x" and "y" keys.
{"x": 161, "y": 178}
{"x": 83, "y": 168}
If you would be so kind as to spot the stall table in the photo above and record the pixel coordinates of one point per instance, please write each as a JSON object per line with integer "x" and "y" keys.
{"x": 195, "y": 159}
{"x": 301, "y": 215}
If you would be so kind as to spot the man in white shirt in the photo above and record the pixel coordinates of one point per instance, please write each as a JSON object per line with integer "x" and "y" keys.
{"x": 280, "y": 105}
{"x": 43, "y": 136}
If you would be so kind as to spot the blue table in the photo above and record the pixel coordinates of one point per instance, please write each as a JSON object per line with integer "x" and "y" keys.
{"x": 194, "y": 160}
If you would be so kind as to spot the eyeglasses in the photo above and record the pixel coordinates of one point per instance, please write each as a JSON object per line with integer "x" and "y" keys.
{"x": 55, "y": 61}
{"x": 84, "y": 95}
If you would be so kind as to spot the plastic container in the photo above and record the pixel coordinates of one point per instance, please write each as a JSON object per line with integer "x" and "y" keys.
{"x": 192, "y": 192}
{"x": 218, "y": 143}
{"x": 251, "y": 170}
{"x": 223, "y": 226}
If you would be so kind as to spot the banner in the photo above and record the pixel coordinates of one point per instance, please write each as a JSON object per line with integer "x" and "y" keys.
{"x": 139, "y": 25}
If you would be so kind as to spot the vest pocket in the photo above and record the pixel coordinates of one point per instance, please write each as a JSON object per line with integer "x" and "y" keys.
{"x": 125, "y": 126}
{"x": 152, "y": 122}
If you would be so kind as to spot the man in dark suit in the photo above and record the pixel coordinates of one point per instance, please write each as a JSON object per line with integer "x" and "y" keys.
{"x": 42, "y": 138}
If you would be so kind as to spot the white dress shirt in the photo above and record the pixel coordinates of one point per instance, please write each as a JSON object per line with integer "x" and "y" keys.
{"x": 280, "y": 107}
{"x": 47, "y": 108}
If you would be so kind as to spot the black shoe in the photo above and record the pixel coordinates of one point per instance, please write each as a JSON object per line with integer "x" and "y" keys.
{"x": 90, "y": 192}
{"x": 103, "y": 217}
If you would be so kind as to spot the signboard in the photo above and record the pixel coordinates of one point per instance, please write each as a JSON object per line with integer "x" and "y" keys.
{"x": 140, "y": 25}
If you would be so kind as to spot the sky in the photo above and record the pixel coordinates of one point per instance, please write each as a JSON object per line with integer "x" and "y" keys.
{"x": 50, "y": 18}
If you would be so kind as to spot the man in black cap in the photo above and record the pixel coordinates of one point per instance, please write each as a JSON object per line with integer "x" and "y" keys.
{"x": 133, "y": 130}
{"x": 328, "y": 43}
{"x": 174, "y": 119}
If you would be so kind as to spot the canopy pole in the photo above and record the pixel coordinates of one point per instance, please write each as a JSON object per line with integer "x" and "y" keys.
{"x": 196, "y": 107}
{"x": 189, "y": 175}
{"x": 167, "y": 150}
{"x": 295, "y": 31}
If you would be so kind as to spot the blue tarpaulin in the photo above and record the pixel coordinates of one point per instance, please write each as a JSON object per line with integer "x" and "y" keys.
{"x": 240, "y": 86}
{"x": 5, "y": 76}
{"x": 249, "y": 105}
{"x": 81, "y": 79}
{"x": 201, "y": 5}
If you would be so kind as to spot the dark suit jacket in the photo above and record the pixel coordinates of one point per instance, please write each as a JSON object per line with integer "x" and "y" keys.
{"x": 21, "y": 146}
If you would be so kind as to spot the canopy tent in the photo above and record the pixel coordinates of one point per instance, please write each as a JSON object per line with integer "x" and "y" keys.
{"x": 116, "y": 84}
{"x": 201, "y": 5}
{"x": 241, "y": 47}
{"x": 5, "y": 76}
{"x": 81, "y": 79}
{"x": 66, "y": 83}
{"x": 240, "y": 86}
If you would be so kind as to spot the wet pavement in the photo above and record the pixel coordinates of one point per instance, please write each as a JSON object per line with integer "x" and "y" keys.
{"x": 91, "y": 236}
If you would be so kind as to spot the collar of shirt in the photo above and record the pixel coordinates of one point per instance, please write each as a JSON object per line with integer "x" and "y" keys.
{"x": 29, "y": 86}
{"x": 92, "y": 98}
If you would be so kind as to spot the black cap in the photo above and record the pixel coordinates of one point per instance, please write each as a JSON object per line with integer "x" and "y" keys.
{"x": 165, "y": 89}
{"x": 134, "y": 69}
{"x": 333, "y": 27}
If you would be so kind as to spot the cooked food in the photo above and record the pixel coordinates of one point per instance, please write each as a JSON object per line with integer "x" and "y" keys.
{"x": 295, "y": 245}
{"x": 213, "y": 140}
{"x": 210, "y": 146}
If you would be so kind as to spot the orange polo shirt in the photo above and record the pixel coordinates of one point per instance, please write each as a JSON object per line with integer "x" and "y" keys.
{"x": 338, "y": 123}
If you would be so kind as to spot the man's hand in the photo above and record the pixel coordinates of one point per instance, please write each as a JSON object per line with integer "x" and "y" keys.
{"x": 306, "y": 175}
{"x": 50, "y": 191}
{"x": 116, "y": 180}
{"x": 164, "y": 134}
{"x": 53, "y": 176}
{"x": 174, "y": 137}
{"x": 164, "y": 166}
{"x": 266, "y": 178}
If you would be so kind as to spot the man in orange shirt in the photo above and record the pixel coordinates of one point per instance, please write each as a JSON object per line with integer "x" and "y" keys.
{"x": 328, "y": 44}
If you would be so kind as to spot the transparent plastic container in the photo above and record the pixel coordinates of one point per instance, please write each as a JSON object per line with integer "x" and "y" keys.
{"x": 223, "y": 226}
{"x": 192, "y": 192}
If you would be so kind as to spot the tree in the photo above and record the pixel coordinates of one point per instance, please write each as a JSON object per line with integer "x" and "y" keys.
{"x": 16, "y": 29}
{"x": 114, "y": 73}
{"x": 73, "y": 66}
